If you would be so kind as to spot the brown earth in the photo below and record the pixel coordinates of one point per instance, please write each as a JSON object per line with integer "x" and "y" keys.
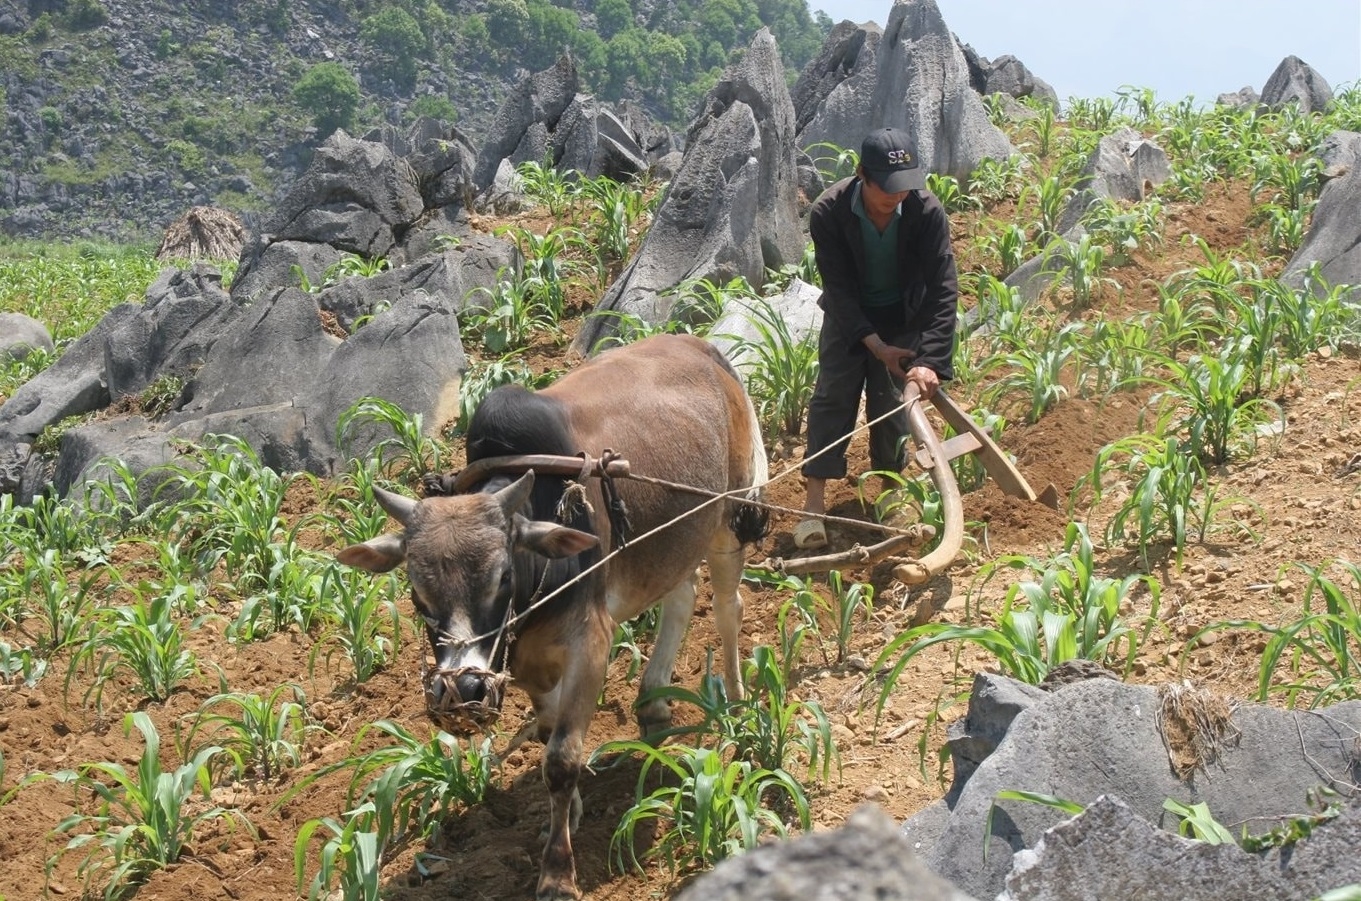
{"x": 1290, "y": 501}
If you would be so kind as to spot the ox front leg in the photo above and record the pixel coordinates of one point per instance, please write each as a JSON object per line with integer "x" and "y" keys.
{"x": 677, "y": 607}
{"x": 576, "y": 697}
{"x": 725, "y": 574}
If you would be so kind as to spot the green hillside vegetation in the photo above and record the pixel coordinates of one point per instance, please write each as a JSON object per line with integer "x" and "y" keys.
{"x": 102, "y": 95}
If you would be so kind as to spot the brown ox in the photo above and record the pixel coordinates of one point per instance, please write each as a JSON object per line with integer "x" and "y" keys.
{"x": 675, "y": 409}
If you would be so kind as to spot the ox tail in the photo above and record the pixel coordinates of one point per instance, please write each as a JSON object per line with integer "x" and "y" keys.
{"x": 748, "y": 522}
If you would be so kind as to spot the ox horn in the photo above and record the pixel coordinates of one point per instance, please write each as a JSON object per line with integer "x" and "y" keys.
{"x": 516, "y": 494}
{"x": 398, "y": 506}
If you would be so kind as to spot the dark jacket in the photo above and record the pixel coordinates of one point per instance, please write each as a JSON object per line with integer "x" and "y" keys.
{"x": 927, "y": 272}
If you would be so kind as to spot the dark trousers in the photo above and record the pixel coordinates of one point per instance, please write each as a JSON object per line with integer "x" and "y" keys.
{"x": 845, "y": 373}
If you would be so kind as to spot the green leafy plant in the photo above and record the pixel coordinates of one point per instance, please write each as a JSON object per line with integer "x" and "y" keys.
{"x": 1035, "y": 371}
{"x": 1067, "y": 612}
{"x": 1171, "y": 497}
{"x": 351, "y": 856}
{"x": 357, "y": 605}
{"x": 407, "y": 454}
{"x": 264, "y": 734}
{"x": 781, "y": 371}
{"x": 708, "y": 810}
{"x": 145, "y": 819}
{"x": 1316, "y": 659}
{"x": 144, "y": 640}
{"x": 1206, "y": 399}
{"x": 515, "y": 311}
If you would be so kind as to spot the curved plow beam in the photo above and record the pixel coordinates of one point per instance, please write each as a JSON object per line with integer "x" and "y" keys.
{"x": 937, "y": 463}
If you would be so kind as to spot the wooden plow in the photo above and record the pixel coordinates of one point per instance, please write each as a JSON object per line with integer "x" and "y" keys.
{"x": 934, "y": 456}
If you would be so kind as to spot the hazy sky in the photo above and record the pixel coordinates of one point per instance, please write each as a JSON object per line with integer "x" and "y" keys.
{"x": 1175, "y": 47}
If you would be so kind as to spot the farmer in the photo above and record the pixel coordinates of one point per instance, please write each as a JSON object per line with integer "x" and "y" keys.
{"x": 889, "y": 297}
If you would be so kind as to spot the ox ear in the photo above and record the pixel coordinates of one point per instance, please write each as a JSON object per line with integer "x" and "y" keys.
{"x": 377, "y": 555}
{"x": 551, "y": 539}
{"x": 398, "y": 506}
{"x": 516, "y": 494}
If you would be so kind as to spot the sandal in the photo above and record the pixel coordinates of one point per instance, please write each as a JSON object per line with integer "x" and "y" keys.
{"x": 809, "y": 534}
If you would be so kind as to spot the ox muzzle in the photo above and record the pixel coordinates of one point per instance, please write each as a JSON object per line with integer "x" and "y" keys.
{"x": 463, "y": 700}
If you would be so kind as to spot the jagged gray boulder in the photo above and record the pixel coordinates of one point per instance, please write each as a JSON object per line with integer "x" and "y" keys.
{"x": 1295, "y": 81}
{"x": 1124, "y": 166}
{"x": 20, "y": 335}
{"x": 731, "y": 210}
{"x": 1245, "y": 97}
{"x": 1102, "y": 737}
{"x": 866, "y": 858}
{"x": 357, "y": 198}
{"x": 183, "y": 314}
{"x": 918, "y": 80}
{"x": 442, "y": 160}
{"x": 848, "y": 51}
{"x": 1008, "y": 75}
{"x": 1333, "y": 241}
{"x": 69, "y": 387}
{"x": 796, "y": 307}
{"x": 1109, "y": 851}
{"x": 525, "y": 118}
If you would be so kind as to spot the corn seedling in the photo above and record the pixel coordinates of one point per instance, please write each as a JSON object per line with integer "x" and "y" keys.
{"x": 264, "y": 734}
{"x": 1171, "y": 498}
{"x": 1291, "y": 181}
{"x": 1035, "y": 371}
{"x": 1196, "y": 821}
{"x": 1049, "y": 196}
{"x": 950, "y": 193}
{"x": 781, "y": 371}
{"x": 411, "y": 783}
{"x": 351, "y": 857}
{"x": 141, "y": 639}
{"x": 407, "y": 454}
{"x": 619, "y": 212}
{"x": 1082, "y": 263}
{"x": 60, "y": 610}
{"x": 1207, "y": 400}
{"x": 515, "y": 311}
{"x": 1008, "y": 245}
{"x": 707, "y": 810}
{"x": 833, "y": 162}
{"x": 145, "y": 819}
{"x": 357, "y": 607}
{"x": 1067, "y": 612}
{"x": 544, "y": 184}
{"x": 545, "y": 267}
{"x": 1315, "y": 660}
{"x": 480, "y": 378}
{"x": 993, "y": 181}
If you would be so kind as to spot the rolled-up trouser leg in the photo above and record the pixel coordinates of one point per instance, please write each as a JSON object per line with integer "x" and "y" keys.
{"x": 835, "y": 401}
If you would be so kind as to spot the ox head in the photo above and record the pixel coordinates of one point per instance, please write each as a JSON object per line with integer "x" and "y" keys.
{"x": 467, "y": 560}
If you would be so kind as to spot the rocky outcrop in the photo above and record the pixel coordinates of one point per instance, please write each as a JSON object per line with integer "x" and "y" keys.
{"x": 732, "y": 209}
{"x": 866, "y": 858}
{"x": 1333, "y": 242}
{"x": 1295, "y": 81}
{"x": 1109, "y": 851}
{"x": 20, "y": 335}
{"x": 1100, "y": 737}
{"x": 918, "y": 80}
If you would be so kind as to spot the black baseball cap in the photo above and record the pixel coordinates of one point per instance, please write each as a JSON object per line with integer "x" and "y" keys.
{"x": 889, "y": 158}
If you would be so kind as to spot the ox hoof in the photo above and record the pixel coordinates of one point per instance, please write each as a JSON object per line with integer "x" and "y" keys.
{"x": 560, "y": 889}
{"x": 654, "y": 720}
